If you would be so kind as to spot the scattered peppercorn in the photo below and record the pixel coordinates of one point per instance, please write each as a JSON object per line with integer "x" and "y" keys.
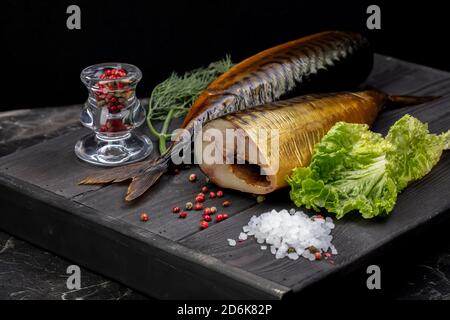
{"x": 144, "y": 217}
{"x": 198, "y": 206}
{"x": 207, "y": 211}
{"x": 260, "y": 199}
{"x": 200, "y": 198}
{"x": 204, "y": 189}
{"x": 207, "y": 218}
{"x": 313, "y": 249}
{"x": 213, "y": 210}
{"x": 189, "y": 206}
{"x": 183, "y": 214}
{"x": 212, "y": 195}
{"x": 219, "y": 217}
{"x": 176, "y": 209}
{"x": 204, "y": 225}
{"x": 192, "y": 177}
{"x": 226, "y": 203}
{"x": 219, "y": 193}
{"x": 225, "y": 216}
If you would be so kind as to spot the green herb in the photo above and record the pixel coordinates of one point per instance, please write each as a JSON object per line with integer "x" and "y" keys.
{"x": 173, "y": 97}
{"x": 353, "y": 168}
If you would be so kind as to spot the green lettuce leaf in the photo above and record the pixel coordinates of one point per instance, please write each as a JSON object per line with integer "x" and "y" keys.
{"x": 348, "y": 172}
{"x": 353, "y": 168}
{"x": 415, "y": 152}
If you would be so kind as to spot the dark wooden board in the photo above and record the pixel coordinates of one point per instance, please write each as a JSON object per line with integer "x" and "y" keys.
{"x": 171, "y": 258}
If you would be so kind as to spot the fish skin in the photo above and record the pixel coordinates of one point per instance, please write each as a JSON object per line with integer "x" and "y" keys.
{"x": 328, "y": 60}
{"x": 315, "y": 63}
{"x": 301, "y": 123}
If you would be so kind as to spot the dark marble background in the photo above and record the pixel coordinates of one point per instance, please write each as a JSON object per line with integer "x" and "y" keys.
{"x": 418, "y": 267}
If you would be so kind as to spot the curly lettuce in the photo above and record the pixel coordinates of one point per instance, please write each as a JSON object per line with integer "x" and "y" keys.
{"x": 416, "y": 151}
{"x": 353, "y": 168}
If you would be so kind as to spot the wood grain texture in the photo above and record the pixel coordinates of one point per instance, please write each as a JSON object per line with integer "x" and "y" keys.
{"x": 143, "y": 260}
{"x": 159, "y": 202}
{"x": 95, "y": 227}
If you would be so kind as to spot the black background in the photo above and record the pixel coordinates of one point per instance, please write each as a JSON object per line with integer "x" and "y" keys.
{"x": 42, "y": 59}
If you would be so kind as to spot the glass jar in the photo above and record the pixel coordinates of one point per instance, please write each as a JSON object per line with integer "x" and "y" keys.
{"x": 112, "y": 112}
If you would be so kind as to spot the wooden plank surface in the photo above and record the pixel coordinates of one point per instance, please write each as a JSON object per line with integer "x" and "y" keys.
{"x": 52, "y": 168}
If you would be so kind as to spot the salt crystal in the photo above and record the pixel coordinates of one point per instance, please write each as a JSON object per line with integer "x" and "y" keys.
{"x": 330, "y": 225}
{"x": 280, "y": 254}
{"x": 289, "y": 229}
{"x": 293, "y": 256}
{"x": 333, "y": 250}
{"x": 242, "y": 236}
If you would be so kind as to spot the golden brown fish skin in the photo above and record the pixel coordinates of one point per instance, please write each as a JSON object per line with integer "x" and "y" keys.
{"x": 329, "y": 59}
{"x": 301, "y": 123}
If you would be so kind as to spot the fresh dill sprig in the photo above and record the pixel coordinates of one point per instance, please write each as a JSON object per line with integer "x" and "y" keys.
{"x": 173, "y": 97}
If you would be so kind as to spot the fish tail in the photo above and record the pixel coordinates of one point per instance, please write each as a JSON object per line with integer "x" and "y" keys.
{"x": 142, "y": 174}
{"x": 118, "y": 174}
{"x": 404, "y": 101}
{"x": 142, "y": 182}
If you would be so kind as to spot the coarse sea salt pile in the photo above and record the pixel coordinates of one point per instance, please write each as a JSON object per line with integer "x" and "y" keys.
{"x": 291, "y": 234}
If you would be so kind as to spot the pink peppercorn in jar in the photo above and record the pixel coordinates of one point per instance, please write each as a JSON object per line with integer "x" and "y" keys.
{"x": 112, "y": 111}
